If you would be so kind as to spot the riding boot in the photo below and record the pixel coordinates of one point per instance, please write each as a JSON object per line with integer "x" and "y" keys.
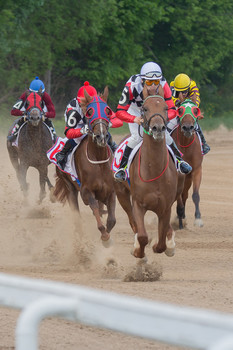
{"x": 12, "y": 137}
{"x": 183, "y": 166}
{"x": 112, "y": 144}
{"x": 120, "y": 175}
{"x": 62, "y": 156}
{"x": 49, "y": 123}
{"x": 205, "y": 146}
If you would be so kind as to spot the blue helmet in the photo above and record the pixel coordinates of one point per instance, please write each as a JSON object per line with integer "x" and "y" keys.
{"x": 36, "y": 84}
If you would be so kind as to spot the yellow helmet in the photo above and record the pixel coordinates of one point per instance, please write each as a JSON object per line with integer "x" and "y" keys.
{"x": 182, "y": 82}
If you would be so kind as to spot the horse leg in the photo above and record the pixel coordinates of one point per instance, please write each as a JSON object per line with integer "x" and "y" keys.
{"x": 165, "y": 234}
{"x": 42, "y": 180}
{"x": 111, "y": 206}
{"x": 187, "y": 185}
{"x": 13, "y": 154}
{"x": 141, "y": 238}
{"x": 124, "y": 198}
{"x": 89, "y": 199}
{"x": 197, "y": 175}
{"x": 23, "y": 167}
{"x": 180, "y": 211}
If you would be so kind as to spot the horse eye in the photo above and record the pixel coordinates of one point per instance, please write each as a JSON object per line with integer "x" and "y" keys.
{"x": 108, "y": 111}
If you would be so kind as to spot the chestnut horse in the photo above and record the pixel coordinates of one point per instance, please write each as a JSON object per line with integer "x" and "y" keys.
{"x": 188, "y": 142}
{"x": 93, "y": 159}
{"x": 34, "y": 140}
{"x": 153, "y": 181}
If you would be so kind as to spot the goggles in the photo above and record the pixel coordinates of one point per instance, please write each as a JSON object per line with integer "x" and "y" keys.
{"x": 150, "y": 82}
{"x": 151, "y": 75}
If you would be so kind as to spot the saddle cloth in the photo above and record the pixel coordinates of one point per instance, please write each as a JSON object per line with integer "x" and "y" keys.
{"x": 70, "y": 166}
{"x": 119, "y": 153}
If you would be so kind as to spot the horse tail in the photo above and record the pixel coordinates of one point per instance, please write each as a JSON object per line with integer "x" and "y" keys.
{"x": 61, "y": 191}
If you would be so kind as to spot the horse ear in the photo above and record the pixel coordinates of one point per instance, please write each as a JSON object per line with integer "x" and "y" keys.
{"x": 87, "y": 97}
{"x": 160, "y": 91}
{"x": 105, "y": 94}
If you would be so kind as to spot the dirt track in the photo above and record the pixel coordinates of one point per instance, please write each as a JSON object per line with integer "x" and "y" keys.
{"x": 46, "y": 242}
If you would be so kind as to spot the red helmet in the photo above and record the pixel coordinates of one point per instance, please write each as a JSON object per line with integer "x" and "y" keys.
{"x": 89, "y": 89}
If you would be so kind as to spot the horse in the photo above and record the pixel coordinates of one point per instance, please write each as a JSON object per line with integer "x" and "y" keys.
{"x": 153, "y": 181}
{"x": 93, "y": 159}
{"x": 34, "y": 139}
{"x": 188, "y": 142}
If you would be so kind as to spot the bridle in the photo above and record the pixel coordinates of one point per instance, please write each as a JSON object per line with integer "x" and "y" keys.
{"x": 146, "y": 123}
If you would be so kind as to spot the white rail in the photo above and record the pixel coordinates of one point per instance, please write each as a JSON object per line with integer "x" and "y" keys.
{"x": 182, "y": 326}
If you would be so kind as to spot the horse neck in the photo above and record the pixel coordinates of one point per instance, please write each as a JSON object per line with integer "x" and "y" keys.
{"x": 153, "y": 153}
{"x": 34, "y": 132}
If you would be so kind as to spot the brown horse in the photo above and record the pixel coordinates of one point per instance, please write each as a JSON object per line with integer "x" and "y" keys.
{"x": 188, "y": 142}
{"x": 33, "y": 142}
{"x": 93, "y": 159}
{"x": 153, "y": 181}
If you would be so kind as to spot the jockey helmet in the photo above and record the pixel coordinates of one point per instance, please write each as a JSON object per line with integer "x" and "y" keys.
{"x": 89, "y": 89}
{"x": 36, "y": 84}
{"x": 151, "y": 71}
{"x": 182, "y": 82}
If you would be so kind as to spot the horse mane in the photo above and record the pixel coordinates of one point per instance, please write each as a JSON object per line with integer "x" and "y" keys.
{"x": 152, "y": 91}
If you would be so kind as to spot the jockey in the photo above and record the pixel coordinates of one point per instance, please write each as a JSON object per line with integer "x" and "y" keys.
{"x": 19, "y": 109}
{"x": 183, "y": 88}
{"x": 129, "y": 110}
{"x": 76, "y": 125}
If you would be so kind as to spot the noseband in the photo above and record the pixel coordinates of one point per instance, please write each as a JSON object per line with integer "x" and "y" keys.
{"x": 146, "y": 123}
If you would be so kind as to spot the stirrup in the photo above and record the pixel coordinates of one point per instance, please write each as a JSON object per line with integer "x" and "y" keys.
{"x": 184, "y": 167}
{"x": 205, "y": 148}
{"x": 120, "y": 175}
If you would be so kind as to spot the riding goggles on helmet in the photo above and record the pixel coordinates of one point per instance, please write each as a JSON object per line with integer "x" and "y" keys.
{"x": 151, "y": 75}
{"x": 150, "y": 82}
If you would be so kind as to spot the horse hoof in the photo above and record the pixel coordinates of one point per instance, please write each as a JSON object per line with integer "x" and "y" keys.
{"x": 142, "y": 261}
{"x": 108, "y": 243}
{"x": 51, "y": 196}
{"x": 198, "y": 223}
{"x": 170, "y": 252}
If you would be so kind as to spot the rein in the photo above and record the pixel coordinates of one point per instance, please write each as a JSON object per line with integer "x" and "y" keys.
{"x": 156, "y": 178}
{"x": 185, "y": 146}
{"x": 98, "y": 161}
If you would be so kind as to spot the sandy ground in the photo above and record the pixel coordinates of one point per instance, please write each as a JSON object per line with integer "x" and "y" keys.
{"x": 47, "y": 242}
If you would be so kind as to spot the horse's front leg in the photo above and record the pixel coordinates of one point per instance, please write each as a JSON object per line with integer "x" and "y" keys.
{"x": 111, "y": 207}
{"x": 197, "y": 175}
{"x": 89, "y": 199}
{"x": 141, "y": 238}
{"x": 43, "y": 174}
{"x": 22, "y": 173}
{"x": 166, "y": 235}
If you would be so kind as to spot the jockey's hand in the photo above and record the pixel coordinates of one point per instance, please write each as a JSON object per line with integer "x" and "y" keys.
{"x": 110, "y": 124}
{"x": 43, "y": 117}
{"x": 138, "y": 120}
{"x": 84, "y": 130}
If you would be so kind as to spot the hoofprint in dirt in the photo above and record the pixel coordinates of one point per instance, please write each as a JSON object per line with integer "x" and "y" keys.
{"x": 47, "y": 242}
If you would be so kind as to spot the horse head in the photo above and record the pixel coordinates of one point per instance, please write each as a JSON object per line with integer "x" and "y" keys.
{"x": 98, "y": 114}
{"x": 188, "y": 114}
{"x": 154, "y": 114}
{"x": 34, "y": 111}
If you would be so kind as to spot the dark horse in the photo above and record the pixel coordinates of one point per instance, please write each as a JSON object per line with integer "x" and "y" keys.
{"x": 153, "y": 181}
{"x": 93, "y": 159}
{"x": 188, "y": 142}
{"x": 33, "y": 142}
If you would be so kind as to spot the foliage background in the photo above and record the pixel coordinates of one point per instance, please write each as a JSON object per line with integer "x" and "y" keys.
{"x": 106, "y": 41}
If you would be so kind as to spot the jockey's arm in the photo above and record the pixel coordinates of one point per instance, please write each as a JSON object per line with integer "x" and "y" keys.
{"x": 16, "y": 109}
{"x": 51, "y": 113}
{"x": 171, "y": 112}
{"x": 116, "y": 122}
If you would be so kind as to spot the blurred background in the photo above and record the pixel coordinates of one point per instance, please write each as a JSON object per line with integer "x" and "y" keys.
{"x": 67, "y": 42}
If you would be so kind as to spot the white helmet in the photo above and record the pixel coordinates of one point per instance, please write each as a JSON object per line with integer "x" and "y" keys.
{"x": 151, "y": 71}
